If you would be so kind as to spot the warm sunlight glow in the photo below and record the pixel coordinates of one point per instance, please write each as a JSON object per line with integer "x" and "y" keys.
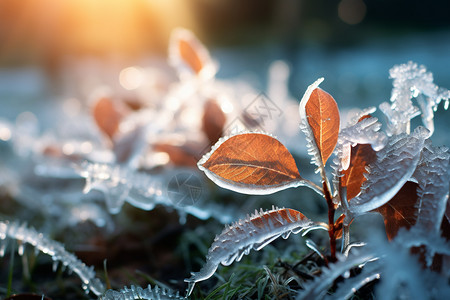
{"x": 131, "y": 78}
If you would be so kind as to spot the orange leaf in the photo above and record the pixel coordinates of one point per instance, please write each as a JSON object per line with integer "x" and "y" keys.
{"x": 213, "y": 120}
{"x": 323, "y": 117}
{"x": 252, "y": 163}
{"x": 400, "y": 211}
{"x": 353, "y": 178}
{"x": 108, "y": 116}
{"x": 190, "y": 56}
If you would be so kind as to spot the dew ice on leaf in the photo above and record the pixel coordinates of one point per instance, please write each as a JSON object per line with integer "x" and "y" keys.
{"x": 394, "y": 165}
{"x": 254, "y": 232}
{"x": 251, "y": 163}
{"x": 320, "y": 120}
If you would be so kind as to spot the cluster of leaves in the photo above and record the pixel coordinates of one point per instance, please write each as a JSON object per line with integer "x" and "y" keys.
{"x": 398, "y": 174}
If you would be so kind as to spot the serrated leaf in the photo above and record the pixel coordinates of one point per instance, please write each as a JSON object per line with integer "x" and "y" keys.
{"x": 394, "y": 165}
{"x": 254, "y": 232}
{"x": 360, "y": 157}
{"x": 400, "y": 211}
{"x": 251, "y": 163}
{"x": 320, "y": 117}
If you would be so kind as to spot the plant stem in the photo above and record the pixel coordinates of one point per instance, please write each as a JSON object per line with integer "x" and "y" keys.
{"x": 331, "y": 229}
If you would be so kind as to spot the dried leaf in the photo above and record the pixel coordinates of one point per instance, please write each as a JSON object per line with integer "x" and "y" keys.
{"x": 108, "y": 116}
{"x": 188, "y": 55}
{"x": 320, "y": 122}
{"x": 338, "y": 226}
{"x": 254, "y": 232}
{"x": 400, "y": 211}
{"x": 213, "y": 120}
{"x": 323, "y": 117}
{"x": 361, "y": 156}
{"x": 251, "y": 163}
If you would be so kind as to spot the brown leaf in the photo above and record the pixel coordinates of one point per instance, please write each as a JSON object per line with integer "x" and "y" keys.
{"x": 323, "y": 117}
{"x": 338, "y": 227}
{"x": 190, "y": 55}
{"x": 400, "y": 211}
{"x": 107, "y": 116}
{"x": 251, "y": 160}
{"x": 360, "y": 157}
{"x": 213, "y": 120}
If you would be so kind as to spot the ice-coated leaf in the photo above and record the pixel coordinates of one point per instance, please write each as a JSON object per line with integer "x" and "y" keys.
{"x": 394, "y": 165}
{"x": 412, "y": 81}
{"x": 56, "y": 250}
{"x": 213, "y": 120}
{"x": 251, "y": 163}
{"x": 254, "y": 232}
{"x": 353, "y": 177}
{"x": 188, "y": 55}
{"x": 433, "y": 177}
{"x": 320, "y": 120}
{"x": 318, "y": 288}
{"x": 400, "y": 212}
{"x": 136, "y": 292}
{"x": 107, "y": 116}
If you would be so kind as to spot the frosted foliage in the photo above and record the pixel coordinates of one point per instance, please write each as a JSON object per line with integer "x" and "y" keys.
{"x": 134, "y": 292}
{"x": 412, "y": 81}
{"x": 433, "y": 177}
{"x": 319, "y": 287}
{"x": 304, "y": 126}
{"x": 55, "y": 249}
{"x": 254, "y": 232}
{"x": 142, "y": 190}
{"x": 394, "y": 165}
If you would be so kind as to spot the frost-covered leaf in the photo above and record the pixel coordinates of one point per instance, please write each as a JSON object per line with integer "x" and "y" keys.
{"x": 107, "y": 115}
{"x": 320, "y": 122}
{"x": 400, "y": 212}
{"x": 254, "y": 232}
{"x": 433, "y": 177}
{"x": 188, "y": 55}
{"x": 318, "y": 288}
{"x": 251, "y": 163}
{"x": 394, "y": 165}
{"x": 352, "y": 178}
{"x": 213, "y": 120}
{"x": 135, "y": 292}
{"x": 56, "y": 250}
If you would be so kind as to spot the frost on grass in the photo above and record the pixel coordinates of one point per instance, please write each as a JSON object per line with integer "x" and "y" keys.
{"x": 394, "y": 165}
{"x": 120, "y": 184}
{"x": 25, "y": 235}
{"x": 135, "y": 292}
{"x": 412, "y": 82}
{"x": 254, "y": 232}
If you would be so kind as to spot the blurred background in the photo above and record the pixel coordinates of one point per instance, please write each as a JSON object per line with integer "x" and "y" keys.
{"x": 51, "y": 49}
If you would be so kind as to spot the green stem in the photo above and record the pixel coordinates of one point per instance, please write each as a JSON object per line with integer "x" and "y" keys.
{"x": 11, "y": 269}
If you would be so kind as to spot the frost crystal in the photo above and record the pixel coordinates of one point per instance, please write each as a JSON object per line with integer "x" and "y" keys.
{"x": 134, "y": 292}
{"x": 142, "y": 190}
{"x": 254, "y": 232}
{"x": 433, "y": 177}
{"x": 55, "y": 249}
{"x": 412, "y": 81}
{"x": 395, "y": 164}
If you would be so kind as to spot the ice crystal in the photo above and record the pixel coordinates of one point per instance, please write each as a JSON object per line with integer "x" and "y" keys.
{"x": 22, "y": 233}
{"x": 134, "y": 292}
{"x": 412, "y": 81}
{"x": 254, "y": 232}
{"x": 395, "y": 164}
{"x": 145, "y": 191}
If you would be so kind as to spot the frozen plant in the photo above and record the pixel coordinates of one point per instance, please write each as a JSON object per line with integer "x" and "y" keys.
{"x": 397, "y": 174}
{"x": 25, "y": 235}
{"x": 134, "y": 292}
